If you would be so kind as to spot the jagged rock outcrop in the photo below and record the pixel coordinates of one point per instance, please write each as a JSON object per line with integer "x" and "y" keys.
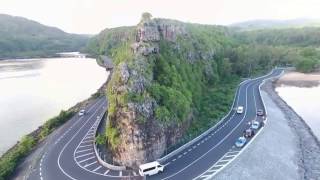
{"x": 141, "y": 137}
{"x": 153, "y": 88}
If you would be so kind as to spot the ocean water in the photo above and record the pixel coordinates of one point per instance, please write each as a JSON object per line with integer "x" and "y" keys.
{"x": 306, "y": 102}
{"x": 34, "y": 90}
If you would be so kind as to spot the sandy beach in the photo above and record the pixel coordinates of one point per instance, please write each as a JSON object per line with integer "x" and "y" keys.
{"x": 299, "y": 79}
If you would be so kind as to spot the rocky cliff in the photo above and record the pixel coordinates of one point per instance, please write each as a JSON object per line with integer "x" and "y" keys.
{"x": 161, "y": 68}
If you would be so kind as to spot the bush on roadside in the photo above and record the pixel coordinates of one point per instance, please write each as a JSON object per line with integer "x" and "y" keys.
{"x": 10, "y": 160}
{"x": 55, "y": 122}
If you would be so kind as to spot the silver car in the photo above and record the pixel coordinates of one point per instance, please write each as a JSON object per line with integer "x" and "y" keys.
{"x": 241, "y": 141}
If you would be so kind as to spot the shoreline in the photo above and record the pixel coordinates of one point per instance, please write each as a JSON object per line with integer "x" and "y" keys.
{"x": 309, "y": 145}
{"x": 286, "y": 149}
{"x": 297, "y": 79}
{"x": 24, "y": 165}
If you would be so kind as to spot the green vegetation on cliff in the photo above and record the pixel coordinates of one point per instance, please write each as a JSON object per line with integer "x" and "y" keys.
{"x": 173, "y": 80}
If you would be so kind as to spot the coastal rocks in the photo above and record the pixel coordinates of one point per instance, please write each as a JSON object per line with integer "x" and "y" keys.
{"x": 309, "y": 145}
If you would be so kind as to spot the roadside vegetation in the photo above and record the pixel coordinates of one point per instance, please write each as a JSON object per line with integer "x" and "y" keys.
{"x": 11, "y": 159}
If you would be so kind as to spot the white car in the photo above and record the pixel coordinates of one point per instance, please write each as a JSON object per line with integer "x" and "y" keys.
{"x": 240, "y": 109}
{"x": 241, "y": 141}
{"x": 151, "y": 168}
{"x": 82, "y": 112}
{"x": 255, "y": 125}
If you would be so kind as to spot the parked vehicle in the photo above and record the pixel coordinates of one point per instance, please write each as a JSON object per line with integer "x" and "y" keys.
{"x": 82, "y": 112}
{"x": 240, "y": 109}
{"x": 260, "y": 112}
{"x": 151, "y": 168}
{"x": 248, "y": 133}
{"x": 255, "y": 125}
{"x": 241, "y": 141}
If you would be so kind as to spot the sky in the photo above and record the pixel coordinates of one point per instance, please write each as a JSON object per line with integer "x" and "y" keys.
{"x": 92, "y": 16}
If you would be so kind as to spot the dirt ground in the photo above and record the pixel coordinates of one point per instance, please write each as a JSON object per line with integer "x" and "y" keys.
{"x": 299, "y": 79}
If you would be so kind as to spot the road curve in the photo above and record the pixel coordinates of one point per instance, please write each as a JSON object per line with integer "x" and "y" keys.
{"x": 69, "y": 153}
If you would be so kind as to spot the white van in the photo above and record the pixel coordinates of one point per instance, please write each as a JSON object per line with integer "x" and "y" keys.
{"x": 151, "y": 168}
{"x": 240, "y": 109}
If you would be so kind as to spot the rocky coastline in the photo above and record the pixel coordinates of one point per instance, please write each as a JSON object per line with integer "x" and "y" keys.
{"x": 309, "y": 145}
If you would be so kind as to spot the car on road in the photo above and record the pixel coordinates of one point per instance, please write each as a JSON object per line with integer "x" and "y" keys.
{"x": 260, "y": 112}
{"x": 241, "y": 141}
{"x": 255, "y": 125}
{"x": 151, "y": 168}
{"x": 248, "y": 133}
{"x": 240, "y": 109}
{"x": 82, "y": 112}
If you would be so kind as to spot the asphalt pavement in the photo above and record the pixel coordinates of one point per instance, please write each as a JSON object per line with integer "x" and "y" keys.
{"x": 70, "y": 154}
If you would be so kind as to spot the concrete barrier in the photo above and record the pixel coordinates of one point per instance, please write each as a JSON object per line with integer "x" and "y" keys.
{"x": 100, "y": 160}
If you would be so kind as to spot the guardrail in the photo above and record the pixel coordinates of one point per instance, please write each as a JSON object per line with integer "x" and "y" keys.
{"x": 185, "y": 146}
{"x": 242, "y": 150}
{"x": 100, "y": 160}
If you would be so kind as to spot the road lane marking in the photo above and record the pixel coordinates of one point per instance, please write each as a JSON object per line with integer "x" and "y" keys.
{"x": 85, "y": 145}
{"x": 84, "y": 150}
{"x": 76, "y": 133}
{"x": 134, "y": 173}
{"x": 90, "y": 164}
{"x": 173, "y": 160}
{"x": 96, "y": 169}
{"x": 242, "y": 149}
{"x": 120, "y": 173}
{"x": 107, "y": 171}
{"x": 86, "y": 159}
{"x": 87, "y": 141}
{"x": 218, "y": 142}
{"x": 84, "y": 155}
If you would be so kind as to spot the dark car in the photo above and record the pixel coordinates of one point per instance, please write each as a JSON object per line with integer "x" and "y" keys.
{"x": 260, "y": 112}
{"x": 248, "y": 133}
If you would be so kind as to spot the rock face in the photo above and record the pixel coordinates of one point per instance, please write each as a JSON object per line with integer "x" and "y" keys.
{"x": 141, "y": 137}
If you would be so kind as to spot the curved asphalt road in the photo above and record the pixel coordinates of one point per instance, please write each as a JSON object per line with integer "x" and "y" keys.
{"x": 69, "y": 153}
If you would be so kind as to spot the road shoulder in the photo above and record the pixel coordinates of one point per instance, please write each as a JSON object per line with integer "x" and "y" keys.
{"x": 274, "y": 154}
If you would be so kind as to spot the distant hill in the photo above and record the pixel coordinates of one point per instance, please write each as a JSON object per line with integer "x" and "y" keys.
{"x": 270, "y": 24}
{"x": 23, "y": 38}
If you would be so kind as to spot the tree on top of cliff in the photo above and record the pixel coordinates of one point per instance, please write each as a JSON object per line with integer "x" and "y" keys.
{"x": 146, "y": 17}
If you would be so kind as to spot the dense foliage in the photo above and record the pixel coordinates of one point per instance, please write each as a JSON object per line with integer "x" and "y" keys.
{"x": 196, "y": 76}
{"x": 296, "y": 47}
{"x": 23, "y": 38}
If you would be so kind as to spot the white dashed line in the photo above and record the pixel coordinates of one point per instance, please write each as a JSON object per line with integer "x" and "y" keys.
{"x": 90, "y": 164}
{"x": 107, "y": 171}
{"x": 86, "y": 159}
{"x": 85, "y": 145}
{"x": 120, "y": 173}
{"x": 173, "y": 160}
{"x": 84, "y": 155}
{"x": 84, "y": 150}
{"x": 96, "y": 169}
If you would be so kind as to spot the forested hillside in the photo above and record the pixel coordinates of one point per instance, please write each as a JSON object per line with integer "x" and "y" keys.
{"x": 22, "y": 38}
{"x": 297, "y": 47}
{"x": 170, "y": 82}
